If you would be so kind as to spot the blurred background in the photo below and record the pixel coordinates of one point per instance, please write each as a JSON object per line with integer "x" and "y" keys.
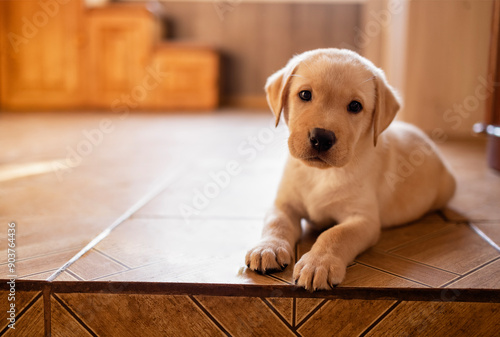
{"x": 202, "y": 55}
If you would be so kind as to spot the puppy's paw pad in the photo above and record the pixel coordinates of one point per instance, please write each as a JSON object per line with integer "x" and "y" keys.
{"x": 269, "y": 255}
{"x": 318, "y": 272}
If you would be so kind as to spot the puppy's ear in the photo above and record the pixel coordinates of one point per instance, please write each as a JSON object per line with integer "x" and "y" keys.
{"x": 276, "y": 88}
{"x": 274, "y": 93}
{"x": 386, "y": 106}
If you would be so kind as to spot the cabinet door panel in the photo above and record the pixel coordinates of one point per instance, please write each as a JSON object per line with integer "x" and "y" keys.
{"x": 41, "y": 63}
{"x": 189, "y": 78}
{"x": 120, "y": 44}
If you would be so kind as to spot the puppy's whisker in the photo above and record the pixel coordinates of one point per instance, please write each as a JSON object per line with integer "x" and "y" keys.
{"x": 299, "y": 76}
{"x": 305, "y": 63}
{"x": 369, "y": 79}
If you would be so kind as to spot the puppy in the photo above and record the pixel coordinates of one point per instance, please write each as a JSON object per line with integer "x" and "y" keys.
{"x": 350, "y": 171}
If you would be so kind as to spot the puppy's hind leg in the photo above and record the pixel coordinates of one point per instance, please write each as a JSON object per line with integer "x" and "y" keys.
{"x": 446, "y": 189}
{"x": 275, "y": 250}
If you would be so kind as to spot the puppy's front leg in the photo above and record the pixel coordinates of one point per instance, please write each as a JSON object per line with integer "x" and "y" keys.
{"x": 275, "y": 250}
{"x": 325, "y": 264}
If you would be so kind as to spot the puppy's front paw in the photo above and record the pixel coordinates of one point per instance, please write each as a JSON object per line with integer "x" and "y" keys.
{"x": 318, "y": 271}
{"x": 269, "y": 255}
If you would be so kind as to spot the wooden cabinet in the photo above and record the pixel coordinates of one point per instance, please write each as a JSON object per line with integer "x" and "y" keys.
{"x": 41, "y": 54}
{"x": 187, "y": 77}
{"x": 120, "y": 41}
{"x": 63, "y": 56}
{"x": 130, "y": 69}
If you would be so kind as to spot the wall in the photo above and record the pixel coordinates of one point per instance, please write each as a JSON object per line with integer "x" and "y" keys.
{"x": 256, "y": 39}
{"x": 446, "y": 65}
{"x": 434, "y": 52}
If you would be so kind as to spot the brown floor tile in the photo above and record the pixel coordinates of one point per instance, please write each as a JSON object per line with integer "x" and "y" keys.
{"x": 457, "y": 249}
{"x": 96, "y": 191}
{"x": 33, "y": 268}
{"x": 21, "y": 299}
{"x": 44, "y": 235}
{"x": 31, "y": 323}
{"x": 305, "y": 307}
{"x": 64, "y": 276}
{"x": 243, "y": 315}
{"x": 219, "y": 272}
{"x": 454, "y": 215}
{"x": 487, "y": 277}
{"x": 343, "y": 318}
{"x": 477, "y": 196}
{"x": 169, "y": 250}
{"x": 286, "y": 275}
{"x": 432, "y": 217}
{"x": 211, "y": 187}
{"x": 94, "y": 264}
{"x": 22, "y": 134}
{"x": 397, "y": 236}
{"x": 284, "y": 306}
{"x": 440, "y": 319}
{"x": 491, "y": 229}
{"x": 198, "y": 195}
{"x": 140, "y": 315}
{"x": 63, "y": 324}
{"x": 406, "y": 269}
{"x": 359, "y": 275}
{"x": 31, "y": 137}
{"x": 59, "y": 212}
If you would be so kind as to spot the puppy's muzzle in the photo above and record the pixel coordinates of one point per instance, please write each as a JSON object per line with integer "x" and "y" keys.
{"x": 322, "y": 140}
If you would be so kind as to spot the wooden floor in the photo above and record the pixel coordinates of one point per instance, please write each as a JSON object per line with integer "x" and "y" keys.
{"x": 138, "y": 225}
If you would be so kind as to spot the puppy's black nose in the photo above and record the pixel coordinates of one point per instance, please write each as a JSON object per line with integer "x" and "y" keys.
{"x": 322, "y": 140}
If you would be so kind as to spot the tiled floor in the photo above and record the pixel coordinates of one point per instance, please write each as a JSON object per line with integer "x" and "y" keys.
{"x": 139, "y": 226}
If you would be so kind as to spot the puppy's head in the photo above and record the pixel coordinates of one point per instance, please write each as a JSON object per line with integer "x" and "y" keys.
{"x": 334, "y": 101}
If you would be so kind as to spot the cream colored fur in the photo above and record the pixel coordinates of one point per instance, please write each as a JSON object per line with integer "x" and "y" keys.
{"x": 376, "y": 175}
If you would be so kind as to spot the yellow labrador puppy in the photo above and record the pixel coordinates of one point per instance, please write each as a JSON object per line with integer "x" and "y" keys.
{"x": 351, "y": 172}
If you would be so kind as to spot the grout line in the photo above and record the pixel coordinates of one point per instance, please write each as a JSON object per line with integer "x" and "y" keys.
{"x": 130, "y": 269}
{"x": 484, "y": 237}
{"x": 74, "y": 315}
{"x": 380, "y": 319}
{"x": 164, "y": 182}
{"x": 112, "y": 259}
{"x": 47, "y": 310}
{"x": 24, "y": 277}
{"x": 401, "y": 257}
{"x": 394, "y": 274}
{"x": 126, "y": 271}
{"x": 209, "y": 315}
{"x": 23, "y": 311}
{"x": 422, "y": 238}
{"x": 310, "y": 314}
{"x": 279, "y": 279}
{"x": 42, "y": 255}
{"x": 278, "y": 315}
{"x": 75, "y": 275}
{"x": 472, "y": 271}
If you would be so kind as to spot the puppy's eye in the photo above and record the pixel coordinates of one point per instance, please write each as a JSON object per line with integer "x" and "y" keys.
{"x": 305, "y": 95}
{"x": 354, "y": 107}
